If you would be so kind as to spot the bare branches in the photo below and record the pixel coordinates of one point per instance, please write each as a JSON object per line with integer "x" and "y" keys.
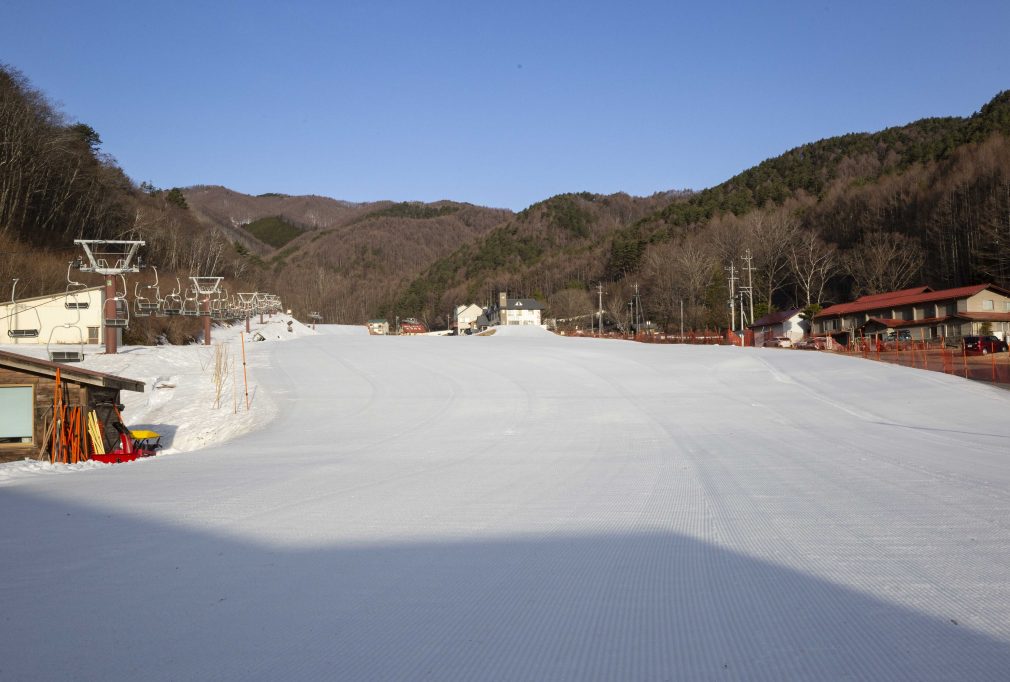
{"x": 884, "y": 261}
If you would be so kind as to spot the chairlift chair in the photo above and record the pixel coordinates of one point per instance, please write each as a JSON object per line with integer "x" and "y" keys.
{"x": 72, "y": 301}
{"x": 144, "y": 306}
{"x": 16, "y": 330}
{"x": 73, "y": 335}
{"x": 173, "y": 303}
{"x": 122, "y": 307}
{"x": 191, "y": 304}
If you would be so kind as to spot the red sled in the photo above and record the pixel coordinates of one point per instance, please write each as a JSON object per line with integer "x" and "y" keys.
{"x": 132, "y": 445}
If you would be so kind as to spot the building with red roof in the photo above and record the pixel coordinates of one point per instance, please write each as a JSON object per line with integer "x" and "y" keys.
{"x": 919, "y": 313}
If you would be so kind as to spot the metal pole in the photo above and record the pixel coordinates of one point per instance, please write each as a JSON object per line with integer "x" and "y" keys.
{"x": 110, "y": 314}
{"x": 206, "y": 320}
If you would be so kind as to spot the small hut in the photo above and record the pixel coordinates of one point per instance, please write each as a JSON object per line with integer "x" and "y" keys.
{"x": 28, "y": 388}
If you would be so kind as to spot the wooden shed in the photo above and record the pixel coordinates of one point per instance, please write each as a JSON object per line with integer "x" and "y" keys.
{"x": 27, "y": 392}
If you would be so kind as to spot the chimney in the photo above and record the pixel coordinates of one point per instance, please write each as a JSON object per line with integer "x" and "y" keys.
{"x": 502, "y": 302}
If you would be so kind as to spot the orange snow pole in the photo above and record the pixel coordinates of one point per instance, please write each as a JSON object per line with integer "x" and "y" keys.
{"x": 245, "y": 377}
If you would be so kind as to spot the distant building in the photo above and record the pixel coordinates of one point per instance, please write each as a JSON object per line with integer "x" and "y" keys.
{"x": 786, "y": 323}
{"x": 465, "y": 317}
{"x": 923, "y": 312}
{"x": 378, "y": 327}
{"x": 515, "y": 311}
{"x": 56, "y": 319}
{"x": 411, "y": 326}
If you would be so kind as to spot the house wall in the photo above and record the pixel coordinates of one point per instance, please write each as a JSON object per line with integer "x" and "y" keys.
{"x": 988, "y": 302}
{"x": 520, "y": 317}
{"x": 49, "y": 314}
{"x": 466, "y": 317}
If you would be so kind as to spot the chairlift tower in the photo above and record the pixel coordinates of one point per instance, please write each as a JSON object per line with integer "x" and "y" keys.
{"x": 111, "y": 258}
{"x": 206, "y": 287}
{"x": 248, "y": 300}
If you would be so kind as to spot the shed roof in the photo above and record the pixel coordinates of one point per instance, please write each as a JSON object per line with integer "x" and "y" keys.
{"x": 776, "y": 318}
{"x": 906, "y": 297}
{"x": 76, "y": 375}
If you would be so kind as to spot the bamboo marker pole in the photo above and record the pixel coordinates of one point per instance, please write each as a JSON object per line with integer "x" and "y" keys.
{"x": 245, "y": 375}
{"x": 234, "y": 389}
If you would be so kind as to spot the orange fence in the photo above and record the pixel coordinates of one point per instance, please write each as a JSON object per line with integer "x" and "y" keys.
{"x": 710, "y": 337}
{"x": 935, "y": 356}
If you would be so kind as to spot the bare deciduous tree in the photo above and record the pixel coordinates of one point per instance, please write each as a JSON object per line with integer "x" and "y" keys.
{"x": 812, "y": 262}
{"x": 884, "y": 261}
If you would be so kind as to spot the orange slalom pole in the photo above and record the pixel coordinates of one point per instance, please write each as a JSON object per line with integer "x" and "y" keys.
{"x": 245, "y": 377}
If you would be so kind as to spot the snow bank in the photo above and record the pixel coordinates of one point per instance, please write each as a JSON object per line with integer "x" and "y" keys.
{"x": 180, "y": 400}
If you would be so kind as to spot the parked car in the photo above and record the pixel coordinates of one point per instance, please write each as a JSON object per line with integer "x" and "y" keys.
{"x": 778, "y": 342}
{"x": 812, "y": 343}
{"x": 984, "y": 344}
{"x": 902, "y": 335}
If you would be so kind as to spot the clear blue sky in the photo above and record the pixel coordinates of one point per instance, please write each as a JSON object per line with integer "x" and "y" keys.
{"x": 496, "y": 103}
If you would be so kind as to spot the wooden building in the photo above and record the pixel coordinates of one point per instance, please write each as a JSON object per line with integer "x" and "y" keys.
{"x": 919, "y": 314}
{"x": 27, "y": 392}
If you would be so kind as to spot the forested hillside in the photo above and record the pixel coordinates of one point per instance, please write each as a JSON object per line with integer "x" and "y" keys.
{"x": 927, "y": 202}
{"x": 338, "y": 258}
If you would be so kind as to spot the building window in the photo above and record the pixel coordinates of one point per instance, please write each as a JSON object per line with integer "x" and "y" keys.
{"x": 93, "y": 334}
{"x": 17, "y": 416}
{"x": 987, "y": 304}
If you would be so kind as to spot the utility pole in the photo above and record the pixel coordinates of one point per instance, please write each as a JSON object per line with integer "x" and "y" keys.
{"x": 732, "y": 294}
{"x": 682, "y": 320}
{"x": 599, "y": 292}
{"x": 638, "y": 310}
{"x": 747, "y": 258}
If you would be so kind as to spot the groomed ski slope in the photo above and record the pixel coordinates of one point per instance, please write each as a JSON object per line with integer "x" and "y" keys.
{"x": 529, "y": 507}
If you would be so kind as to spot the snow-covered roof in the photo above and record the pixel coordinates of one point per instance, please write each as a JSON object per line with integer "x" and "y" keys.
{"x": 79, "y": 375}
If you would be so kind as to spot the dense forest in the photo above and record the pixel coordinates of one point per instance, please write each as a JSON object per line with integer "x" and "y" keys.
{"x": 928, "y": 202}
{"x": 924, "y": 203}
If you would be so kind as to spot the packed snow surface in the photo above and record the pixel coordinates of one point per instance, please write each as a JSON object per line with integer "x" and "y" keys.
{"x": 524, "y": 507}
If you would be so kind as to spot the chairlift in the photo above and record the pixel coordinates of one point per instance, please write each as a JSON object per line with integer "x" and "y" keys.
{"x": 218, "y": 306}
{"x": 173, "y": 303}
{"x": 144, "y": 306}
{"x": 71, "y": 300}
{"x": 122, "y": 314}
{"x": 16, "y": 331}
{"x": 73, "y": 335}
{"x": 191, "y": 304}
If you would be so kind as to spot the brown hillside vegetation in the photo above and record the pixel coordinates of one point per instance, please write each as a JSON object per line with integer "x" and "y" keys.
{"x": 923, "y": 203}
{"x": 349, "y": 258}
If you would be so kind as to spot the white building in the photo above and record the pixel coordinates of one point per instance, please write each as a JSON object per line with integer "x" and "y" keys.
{"x": 516, "y": 311}
{"x": 465, "y": 316}
{"x": 54, "y": 319}
{"x": 786, "y": 323}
